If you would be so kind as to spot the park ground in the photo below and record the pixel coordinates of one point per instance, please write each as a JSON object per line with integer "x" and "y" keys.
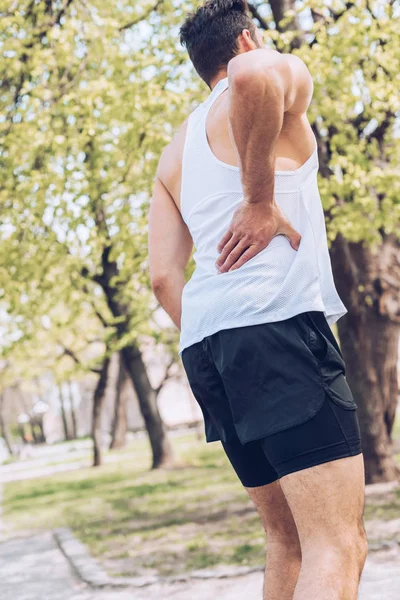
{"x": 138, "y": 522}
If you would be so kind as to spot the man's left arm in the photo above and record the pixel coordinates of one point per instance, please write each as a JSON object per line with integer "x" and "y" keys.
{"x": 170, "y": 247}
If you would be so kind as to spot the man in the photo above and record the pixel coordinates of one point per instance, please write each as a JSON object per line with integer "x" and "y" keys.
{"x": 239, "y": 180}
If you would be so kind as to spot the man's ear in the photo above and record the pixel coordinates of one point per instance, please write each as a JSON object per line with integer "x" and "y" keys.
{"x": 245, "y": 41}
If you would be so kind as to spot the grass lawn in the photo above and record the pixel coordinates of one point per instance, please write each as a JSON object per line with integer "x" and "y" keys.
{"x": 138, "y": 521}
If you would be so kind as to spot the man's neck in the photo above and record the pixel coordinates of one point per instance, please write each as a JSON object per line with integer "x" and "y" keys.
{"x": 221, "y": 75}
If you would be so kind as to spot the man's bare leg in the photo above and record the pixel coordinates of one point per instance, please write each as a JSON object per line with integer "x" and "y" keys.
{"x": 283, "y": 545}
{"x": 327, "y": 503}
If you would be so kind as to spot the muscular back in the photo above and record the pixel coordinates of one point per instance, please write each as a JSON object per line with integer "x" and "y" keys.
{"x": 293, "y": 147}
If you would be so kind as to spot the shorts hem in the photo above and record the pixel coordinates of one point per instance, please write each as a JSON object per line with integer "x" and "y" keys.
{"x": 309, "y": 416}
{"x": 319, "y": 461}
{"x": 327, "y": 394}
{"x": 260, "y": 484}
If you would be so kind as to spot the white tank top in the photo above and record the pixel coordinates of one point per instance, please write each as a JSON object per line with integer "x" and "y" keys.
{"x": 277, "y": 283}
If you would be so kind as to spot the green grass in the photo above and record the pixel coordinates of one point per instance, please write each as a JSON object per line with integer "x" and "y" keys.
{"x": 139, "y": 521}
{"x": 192, "y": 517}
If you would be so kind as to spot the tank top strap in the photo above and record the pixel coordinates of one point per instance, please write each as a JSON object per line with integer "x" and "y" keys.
{"x": 197, "y": 119}
{"x": 215, "y": 93}
{"x": 198, "y": 159}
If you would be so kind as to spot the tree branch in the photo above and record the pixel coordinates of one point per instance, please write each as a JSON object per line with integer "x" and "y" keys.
{"x": 77, "y": 361}
{"x": 142, "y": 17}
{"x": 256, "y": 15}
{"x": 166, "y": 375}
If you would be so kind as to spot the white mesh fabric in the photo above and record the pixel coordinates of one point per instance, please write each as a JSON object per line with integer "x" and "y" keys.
{"x": 277, "y": 283}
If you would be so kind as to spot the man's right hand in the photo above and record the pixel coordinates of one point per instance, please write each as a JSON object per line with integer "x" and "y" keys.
{"x": 253, "y": 226}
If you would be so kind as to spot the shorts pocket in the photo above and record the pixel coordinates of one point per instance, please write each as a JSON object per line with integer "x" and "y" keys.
{"x": 322, "y": 343}
{"x": 329, "y": 361}
{"x": 317, "y": 344}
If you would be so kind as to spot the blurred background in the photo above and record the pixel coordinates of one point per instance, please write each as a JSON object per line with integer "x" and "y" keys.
{"x": 90, "y": 375}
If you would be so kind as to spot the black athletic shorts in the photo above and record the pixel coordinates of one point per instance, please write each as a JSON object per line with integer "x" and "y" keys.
{"x": 275, "y": 395}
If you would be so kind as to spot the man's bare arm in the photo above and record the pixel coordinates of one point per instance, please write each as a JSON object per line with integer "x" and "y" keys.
{"x": 170, "y": 247}
{"x": 263, "y": 85}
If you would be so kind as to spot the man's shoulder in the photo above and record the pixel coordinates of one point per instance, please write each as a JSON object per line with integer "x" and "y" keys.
{"x": 170, "y": 163}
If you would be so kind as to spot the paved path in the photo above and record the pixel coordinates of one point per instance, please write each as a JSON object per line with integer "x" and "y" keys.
{"x": 35, "y": 569}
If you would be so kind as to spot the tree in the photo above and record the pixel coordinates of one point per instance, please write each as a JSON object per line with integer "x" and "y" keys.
{"x": 354, "y": 60}
{"x": 72, "y": 410}
{"x": 98, "y": 399}
{"x": 120, "y": 420}
{"x": 67, "y": 435}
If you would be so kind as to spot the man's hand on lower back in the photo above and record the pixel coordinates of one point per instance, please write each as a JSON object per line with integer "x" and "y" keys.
{"x": 252, "y": 228}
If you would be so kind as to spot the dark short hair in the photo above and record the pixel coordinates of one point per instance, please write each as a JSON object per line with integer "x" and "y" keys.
{"x": 210, "y": 34}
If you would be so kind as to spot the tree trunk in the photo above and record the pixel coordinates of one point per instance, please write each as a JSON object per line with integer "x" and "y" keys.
{"x": 98, "y": 400}
{"x": 4, "y": 431}
{"x": 369, "y": 336}
{"x": 64, "y": 414}
{"x": 279, "y": 8}
{"x": 136, "y": 369}
{"x": 119, "y": 426}
{"x": 73, "y": 413}
{"x": 161, "y": 448}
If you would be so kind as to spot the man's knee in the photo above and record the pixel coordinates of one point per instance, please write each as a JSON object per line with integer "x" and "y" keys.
{"x": 283, "y": 537}
{"x": 353, "y": 545}
{"x": 284, "y": 530}
{"x": 345, "y": 550}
